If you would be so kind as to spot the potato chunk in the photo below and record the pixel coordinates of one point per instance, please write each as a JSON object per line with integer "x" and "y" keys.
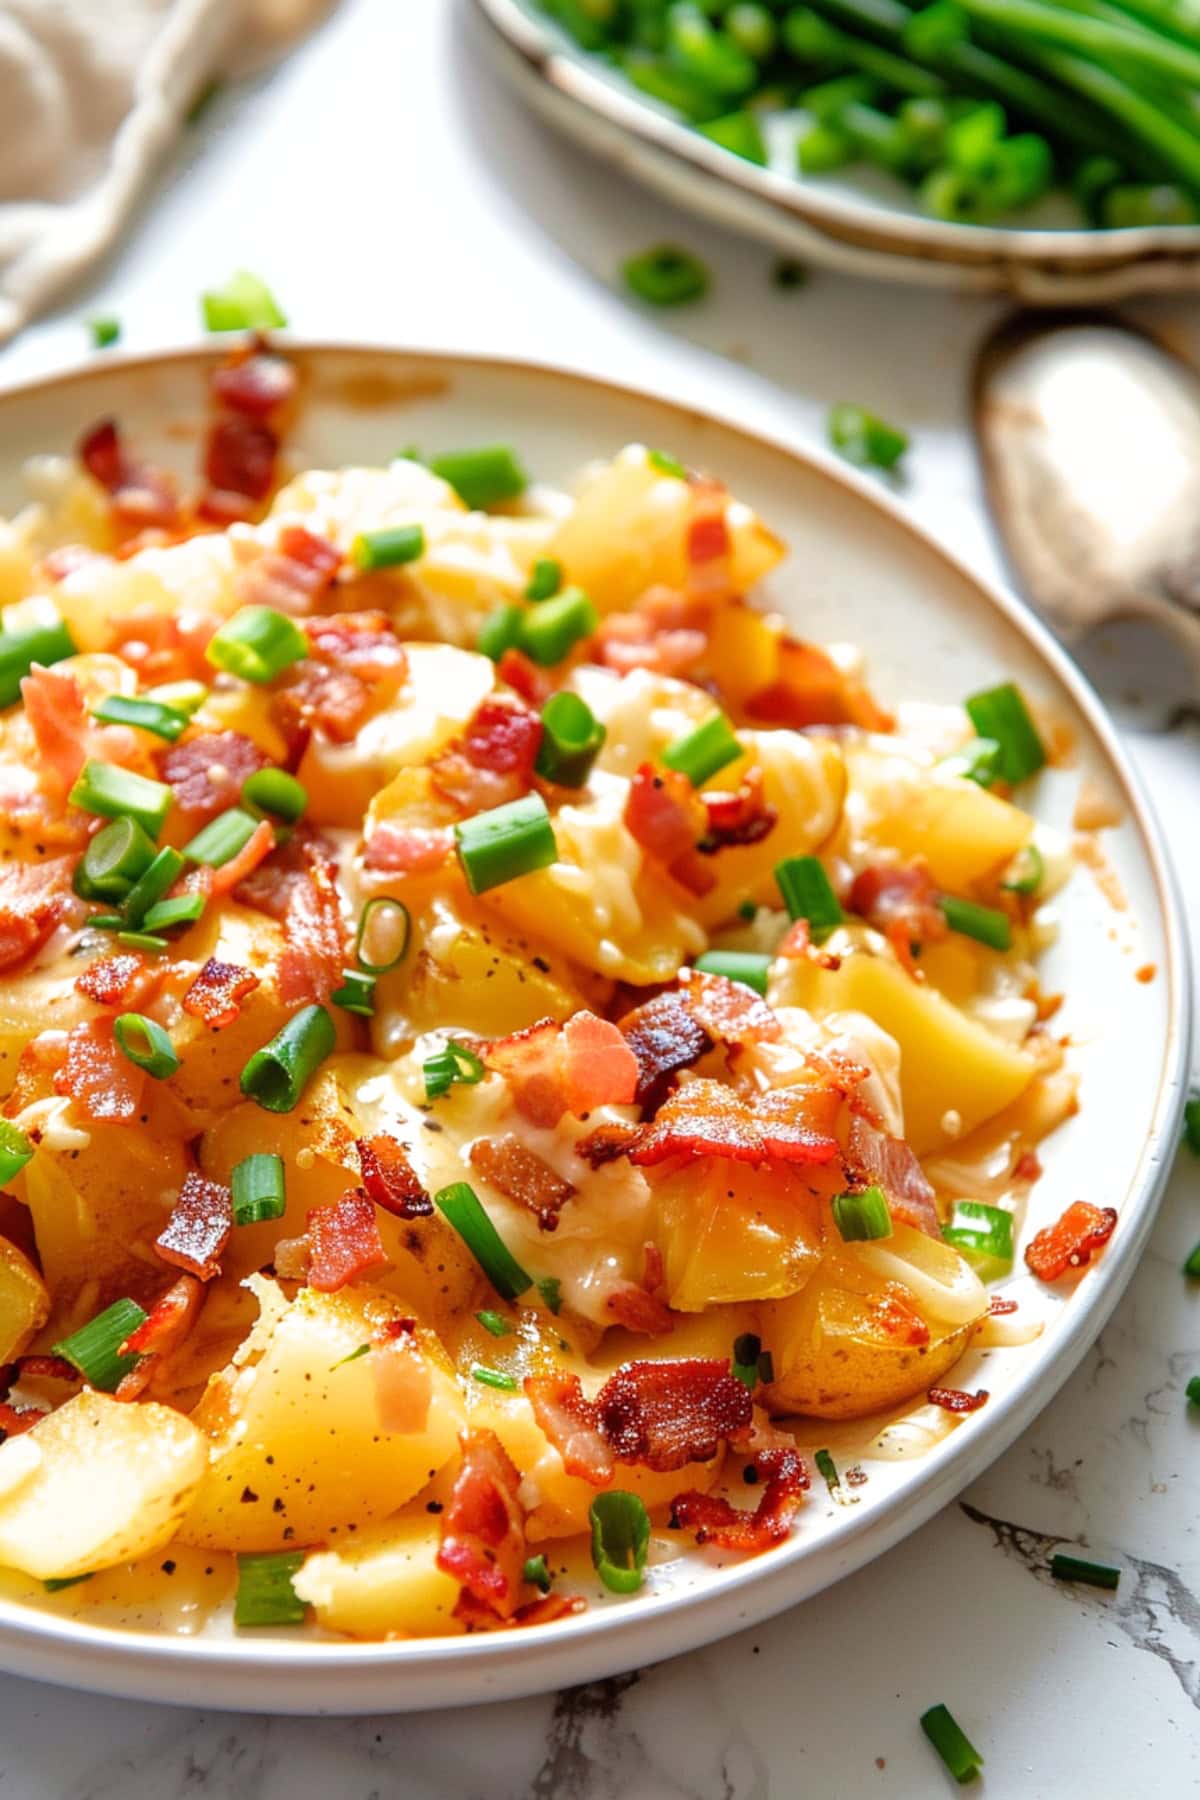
{"x": 385, "y": 1583}
{"x": 24, "y": 1302}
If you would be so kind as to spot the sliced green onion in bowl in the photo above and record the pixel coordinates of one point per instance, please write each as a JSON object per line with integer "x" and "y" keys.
{"x": 19, "y": 650}
{"x": 984, "y": 1235}
{"x": 257, "y": 643}
{"x": 500, "y": 631}
{"x": 146, "y": 1044}
{"x": 150, "y": 886}
{"x": 277, "y": 793}
{"x": 148, "y": 715}
{"x": 537, "y": 1572}
{"x": 495, "y": 1378}
{"x": 747, "y": 966}
{"x": 461, "y": 1207}
{"x": 979, "y": 761}
{"x": 983, "y": 923}
{"x": 620, "y": 1539}
{"x": 454, "y": 1062}
{"x": 381, "y": 941}
{"x": 545, "y": 578}
{"x": 258, "y": 1188}
{"x": 265, "y": 1595}
{"x": 115, "y": 861}
{"x": 1026, "y": 871}
{"x": 572, "y": 738}
{"x": 15, "y": 1151}
{"x": 952, "y": 1744}
{"x": 356, "y": 994}
{"x": 54, "y": 1584}
{"x": 808, "y": 894}
{"x": 506, "y": 842}
{"x": 494, "y": 1323}
{"x": 551, "y": 630}
{"x": 702, "y": 752}
{"x": 862, "y": 1217}
{"x": 747, "y": 1351}
{"x": 388, "y": 547}
{"x": 94, "y": 1348}
{"x": 117, "y": 793}
{"x": 1000, "y": 713}
{"x": 277, "y": 1075}
{"x": 482, "y": 477}
{"x": 165, "y": 915}
{"x": 220, "y": 840}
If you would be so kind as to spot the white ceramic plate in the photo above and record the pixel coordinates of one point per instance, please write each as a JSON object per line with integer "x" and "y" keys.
{"x": 857, "y": 570}
{"x": 864, "y": 223}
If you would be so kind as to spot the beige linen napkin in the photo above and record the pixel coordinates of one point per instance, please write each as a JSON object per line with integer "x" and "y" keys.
{"x": 92, "y": 93}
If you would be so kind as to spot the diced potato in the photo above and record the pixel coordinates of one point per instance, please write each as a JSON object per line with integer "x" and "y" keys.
{"x": 24, "y": 1301}
{"x": 731, "y": 1232}
{"x": 197, "y": 575}
{"x": 16, "y": 563}
{"x": 472, "y": 976}
{"x": 962, "y": 831}
{"x": 99, "y": 1481}
{"x": 385, "y": 1583}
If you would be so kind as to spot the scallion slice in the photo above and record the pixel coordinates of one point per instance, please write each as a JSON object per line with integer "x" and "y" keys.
{"x": 219, "y": 841}
{"x": 142, "y": 940}
{"x": 93, "y": 1349}
{"x": 702, "y": 752}
{"x": 381, "y": 941}
{"x": 454, "y": 1062}
{"x": 550, "y": 1288}
{"x": 666, "y": 464}
{"x": 114, "y": 862}
{"x": 827, "y": 1469}
{"x": 278, "y": 1074}
{"x": 482, "y": 477}
{"x": 15, "y": 1151}
{"x": 863, "y": 438}
{"x": 276, "y": 792}
{"x": 979, "y": 761}
{"x": 258, "y": 644}
{"x": 749, "y": 967}
{"x": 460, "y": 1207}
{"x": 620, "y": 1539}
{"x": 388, "y": 547}
{"x": 572, "y": 738}
{"x": 1191, "y": 1124}
{"x": 747, "y": 1349}
{"x": 494, "y": 1323}
{"x": 494, "y": 1378}
{"x": 1001, "y": 714}
{"x": 356, "y": 994}
{"x": 983, "y": 923}
{"x": 146, "y": 1044}
{"x": 355, "y": 1355}
{"x": 1074, "y": 1568}
{"x": 117, "y": 793}
{"x": 54, "y": 1584}
{"x": 665, "y": 276}
{"x": 506, "y": 842}
{"x": 982, "y": 1233}
{"x": 550, "y": 631}
{"x": 500, "y": 631}
{"x": 183, "y": 909}
{"x": 545, "y": 578}
{"x": 537, "y": 1572}
{"x": 245, "y": 303}
{"x": 105, "y": 330}
{"x": 861, "y": 1217}
{"x": 19, "y": 650}
{"x": 1026, "y": 871}
{"x": 150, "y": 887}
{"x": 808, "y": 894}
{"x": 265, "y": 1595}
{"x": 257, "y": 1186}
{"x": 147, "y": 715}
{"x": 952, "y": 1744}
{"x": 181, "y": 696}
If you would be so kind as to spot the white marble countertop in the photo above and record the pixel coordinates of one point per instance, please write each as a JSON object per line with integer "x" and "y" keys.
{"x": 389, "y": 188}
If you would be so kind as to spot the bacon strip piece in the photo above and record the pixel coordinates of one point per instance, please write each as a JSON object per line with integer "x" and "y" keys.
{"x": 553, "y": 1069}
{"x": 665, "y": 1036}
{"x": 216, "y": 995}
{"x": 112, "y": 980}
{"x": 256, "y": 849}
{"x": 659, "y": 1415}
{"x": 741, "y": 817}
{"x": 33, "y": 898}
{"x": 543, "y": 1611}
{"x": 239, "y": 457}
{"x": 876, "y": 1157}
{"x": 17, "y": 1419}
{"x": 483, "y": 1527}
{"x": 635, "y": 1309}
{"x": 608, "y": 1143}
{"x": 205, "y": 773}
{"x": 1071, "y": 1241}
{"x": 810, "y": 689}
{"x": 407, "y": 849}
{"x": 666, "y": 817}
{"x": 389, "y": 1179}
{"x": 160, "y": 1333}
{"x": 102, "y": 1082}
{"x": 141, "y": 495}
{"x": 523, "y": 1176}
{"x": 902, "y": 903}
{"x": 955, "y": 1400}
{"x": 257, "y": 385}
{"x": 729, "y": 1010}
{"x": 705, "y": 1118}
{"x": 198, "y": 1230}
{"x": 296, "y": 887}
{"x": 715, "y": 1521}
{"x": 572, "y": 1425}
{"x": 344, "y": 1242}
{"x": 356, "y": 663}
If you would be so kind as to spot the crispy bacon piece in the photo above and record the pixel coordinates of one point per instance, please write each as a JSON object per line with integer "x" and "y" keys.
{"x": 33, "y": 898}
{"x": 631, "y": 640}
{"x": 389, "y": 1179}
{"x": 523, "y": 1176}
{"x": 57, "y": 716}
{"x": 297, "y": 888}
{"x": 572, "y": 1424}
{"x": 797, "y": 941}
{"x": 741, "y": 817}
{"x": 956, "y": 1401}
{"x": 17, "y": 1419}
{"x": 256, "y": 849}
{"x": 876, "y": 1157}
{"x": 343, "y": 1242}
{"x": 666, "y": 817}
{"x": 663, "y": 1415}
{"x": 141, "y": 495}
{"x": 902, "y": 903}
{"x": 407, "y": 849}
{"x": 483, "y": 1527}
{"x": 294, "y": 576}
{"x": 113, "y": 980}
{"x": 524, "y": 677}
{"x": 198, "y": 1230}
{"x": 636, "y": 1309}
{"x": 715, "y": 1521}
{"x": 205, "y": 773}
{"x": 665, "y": 1036}
{"x": 216, "y": 995}
{"x": 796, "y": 1124}
{"x": 257, "y": 385}
{"x": 356, "y": 663}
{"x": 240, "y": 457}
{"x": 542, "y": 1611}
{"x": 504, "y": 736}
{"x": 708, "y": 537}
{"x": 608, "y": 1143}
{"x": 102, "y": 1082}
{"x": 164, "y": 646}
{"x": 705, "y": 1118}
{"x": 164, "y": 1329}
{"x": 47, "y": 1368}
{"x": 1071, "y": 1241}
{"x": 810, "y": 689}
{"x": 552, "y": 1068}
{"x": 894, "y": 1311}
{"x": 729, "y": 1010}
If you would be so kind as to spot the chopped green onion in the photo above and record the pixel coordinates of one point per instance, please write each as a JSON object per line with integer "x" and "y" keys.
{"x": 701, "y": 753}
{"x": 620, "y": 1539}
{"x": 984, "y": 1234}
{"x": 95, "y": 1346}
{"x": 862, "y": 1217}
{"x": 747, "y": 1349}
{"x": 823, "y": 148}
{"x": 978, "y": 761}
{"x": 381, "y": 941}
{"x": 184, "y": 909}
{"x": 245, "y": 303}
{"x": 257, "y": 1186}
{"x": 54, "y": 1584}
{"x": 554, "y": 627}
{"x": 807, "y": 894}
{"x": 1192, "y": 1391}
{"x": 258, "y": 643}
{"x": 747, "y": 966}
{"x": 500, "y": 631}
{"x": 537, "y": 1573}
{"x": 141, "y": 940}
{"x": 460, "y": 1207}
{"x": 117, "y": 793}
{"x": 278, "y": 1074}
{"x": 105, "y": 330}
{"x": 494, "y": 1378}
{"x": 666, "y": 464}
{"x": 828, "y": 1471}
{"x": 150, "y": 886}
{"x": 115, "y": 860}
{"x": 1025, "y": 872}
{"x": 453, "y": 1063}
{"x": 276, "y": 792}
{"x": 545, "y": 578}
{"x": 146, "y": 1045}
{"x": 265, "y": 1595}
{"x": 15, "y": 1151}
{"x": 106, "y": 922}
{"x": 219, "y": 841}
{"x": 1192, "y": 1265}
{"x": 147, "y": 715}
{"x": 1002, "y": 714}
{"x": 766, "y": 1367}
{"x": 983, "y": 923}
{"x": 866, "y": 440}
{"x": 355, "y": 1355}
{"x": 483, "y": 477}
{"x": 1191, "y": 1124}
{"x": 572, "y": 738}
{"x": 19, "y": 650}
{"x": 494, "y": 1323}
{"x": 506, "y": 842}
{"x": 388, "y": 547}
{"x": 740, "y": 133}
{"x": 1073, "y": 1568}
{"x": 952, "y": 1745}
{"x": 550, "y": 1288}
{"x": 356, "y": 994}
{"x": 748, "y": 910}
{"x": 665, "y": 276}
{"x": 181, "y": 696}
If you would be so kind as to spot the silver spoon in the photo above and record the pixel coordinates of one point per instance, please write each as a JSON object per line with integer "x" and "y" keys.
{"x": 1089, "y": 432}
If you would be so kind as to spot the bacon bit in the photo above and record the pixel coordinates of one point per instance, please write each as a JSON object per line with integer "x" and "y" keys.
{"x": 403, "y": 1384}
{"x": 113, "y": 980}
{"x": 637, "y": 1310}
{"x": 902, "y": 903}
{"x": 628, "y": 641}
{"x": 542, "y": 1611}
{"x": 164, "y": 646}
{"x": 294, "y": 576}
{"x": 356, "y": 663}
{"x": 729, "y": 1010}
{"x": 140, "y": 494}
{"x": 483, "y": 1527}
{"x": 47, "y": 1368}
{"x": 205, "y": 773}
{"x": 1071, "y": 1241}
{"x": 103, "y": 1082}
{"x": 572, "y": 1425}
{"x": 33, "y": 898}
{"x": 160, "y": 1334}
{"x": 715, "y": 1521}
{"x": 665, "y": 1036}
{"x": 663, "y": 1415}
{"x": 390, "y": 1179}
{"x": 706, "y": 1119}
{"x": 258, "y": 386}
{"x": 524, "y": 677}
{"x": 54, "y": 707}
{"x": 999, "y": 1308}
{"x": 523, "y": 1177}
{"x": 198, "y": 1230}
{"x": 407, "y": 849}
{"x": 240, "y": 457}
{"x": 1027, "y": 1167}
{"x": 666, "y": 817}
{"x": 552, "y": 1068}
{"x": 708, "y": 537}
{"x": 344, "y": 1242}
{"x": 874, "y": 1156}
{"x": 504, "y": 736}
{"x": 17, "y": 1419}
{"x": 607, "y": 1144}
{"x": 742, "y": 817}
{"x": 955, "y": 1400}
{"x": 810, "y": 689}
{"x": 894, "y": 1311}
{"x": 797, "y": 942}
{"x": 216, "y": 995}
{"x": 796, "y": 1124}
{"x": 256, "y": 849}
{"x": 297, "y": 888}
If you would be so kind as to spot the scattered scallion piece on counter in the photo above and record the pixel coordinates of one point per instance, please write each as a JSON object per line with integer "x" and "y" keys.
{"x": 862, "y": 1217}
{"x": 95, "y": 1348}
{"x": 545, "y": 578}
{"x": 276, "y": 792}
{"x": 15, "y": 1151}
{"x": 984, "y": 1234}
{"x": 1026, "y": 871}
{"x": 537, "y": 1572}
{"x": 104, "y": 330}
{"x": 278, "y": 1074}
{"x": 146, "y": 1044}
{"x": 1191, "y": 1124}
{"x": 572, "y": 738}
{"x": 705, "y": 750}
{"x": 461, "y": 1207}
{"x": 1192, "y": 1391}
{"x": 1001, "y": 714}
{"x": 952, "y": 1744}
{"x": 552, "y": 629}
{"x": 750, "y": 967}
{"x": 265, "y": 1595}
{"x": 245, "y": 303}
{"x": 453, "y": 1063}
{"x": 482, "y": 477}
{"x": 665, "y": 276}
{"x": 808, "y": 894}
{"x": 494, "y": 1378}
{"x": 505, "y": 842}
{"x": 494, "y": 1323}
{"x": 620, "y": 1539}
{"x": 148, "y": 715}
{"x": 863, "y": 438}
{"x": 258, "y": 643}
{"x": 19, "y": 650}
{"x": 258, "y": 1188}
{"x": 388, "y": 547}
{"x": 983, "y": 923}
{"x": 117, "y": 793}
{"x": 381, "y": 940}
{"x": 219, "y": 841}
{"x": 115, "y": 860}
{"x": 1090, "y": 1574}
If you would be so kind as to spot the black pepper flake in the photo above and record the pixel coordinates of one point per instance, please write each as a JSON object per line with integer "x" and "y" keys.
{"x": 168, "y": 1568}
{"x": 433, "y": 1506}
{"x": 249, "y": 1497}
{"x": 539, "y": 962}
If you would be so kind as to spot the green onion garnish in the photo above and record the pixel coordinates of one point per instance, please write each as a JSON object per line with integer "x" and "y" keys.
{"x": 356, "y": 994}
{"x": 665, "y": 276}
{"x": 554, "y": 627}
{"x": 537, "y": 1572}
{"x": 482, "y": 477}
{"x": 1025, "y": 872}
{"x": 257, "y": 1186}
{"x": 54, "y": 1584}
{"x": 355, "y": 1355}
{"x": 979, "y": 761}
{"x": 952, "y": 1745}
{"x": 748, "y": 910}
{"x": 572, "y": 738}
{"x": 276, "y": 792}
{"x": 1000, "y": 713}
{"x": 983, "y": 923}
{"x": 492, "y": 1322}
{"x": 258, "y": 643}
{"x": 550, "y": 1288}
{"x": 506, "y": 842}
{"x": 146, "y": 1045}
{"x": 747, "y": 966}
{"x": 666, "y": 464}
{"x": 452, "y": 1063}
{"x": 265, "y": 1595}
{"x": 1073, "y": 1568}
{"x": 620, "y": 1538}
{"x": 747, "y": 1350}
{"x": 184, "y": 909}
{"x": 245, "y": 303}
{"x": 105, "y": 330}
{"x": 827, "y": 1469}
{"x": 701, "y": 753}
{"x": 494, "y": 1378}
{"x": 861, "y": 1217}
{"x": 278, "y": 1074}
{"x": 388, "y": 547}
{"x": 460, "y": 1207}
{"x": 114, "y": 861}
{"x": 1192, "y": 1265}
{"x": 93, "y": 1348}
{"x": 982, "y": 1233}
{"x": 1191, "y": 1124}
{"x": 807, "y": 894}
{"x": 181, "y": 696}
{"x": 864, "y": 439}
{"x": 381, "y": 941}
{"x": 500, "y": 631}
{"x": 15, "y": 1151}
{"x": 19, "y": 650}
{"x": 141, "y": 940}
{"x": 219, "y": 841}
{"x": 148, "y": 715}
{"x": 1191, "y": 1391}
{"x": 117, "y": 793}
{"x": 149, "y": 887}
{"x": 545, "y": 578}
